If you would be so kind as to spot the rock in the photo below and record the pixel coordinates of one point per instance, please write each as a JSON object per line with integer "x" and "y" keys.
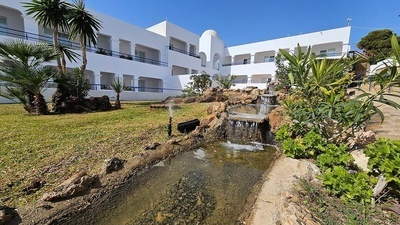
{"x": 115, "y": 164}
{"x": 189, "y": 100}
{"x": 217, "y": 108}
{"x": 7, "y": 214}
{"x": 209, "y": 95}
{"x": 254, "y": 94}
{"x": 364, "y": 138}
{"x": 34, "y": 186}
{"x": 77, "y": 184}
{"x": 207, "y": 120}
{"x": 276, "y": 118}
{"x": 152, "y": 146}
{"x": 360, "y": 159}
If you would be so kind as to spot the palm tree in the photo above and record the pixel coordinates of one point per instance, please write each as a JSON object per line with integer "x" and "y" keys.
{"x": 21, "y": 66}
{"x": 50, "y": 14}
{"x": 117, "y": 86}
{"x": 83, "y": 25}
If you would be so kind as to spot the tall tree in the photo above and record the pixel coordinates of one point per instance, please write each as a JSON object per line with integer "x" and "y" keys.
{"x": 21, "y": 66}
{"x": 377, "y": 45}
{"x": 50, "y": 14}
{"x": 85, "y": 26}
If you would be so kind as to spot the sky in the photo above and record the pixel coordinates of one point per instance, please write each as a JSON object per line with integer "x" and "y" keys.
{"x": 241, "y": 22}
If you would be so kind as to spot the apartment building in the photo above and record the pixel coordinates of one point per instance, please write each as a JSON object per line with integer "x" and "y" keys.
{"x": 157, "y": 62}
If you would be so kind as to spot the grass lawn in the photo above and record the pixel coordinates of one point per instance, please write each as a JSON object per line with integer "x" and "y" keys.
{"x": 53, "y": 147}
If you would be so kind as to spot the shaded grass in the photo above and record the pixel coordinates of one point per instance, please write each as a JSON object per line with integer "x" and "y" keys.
{"x": 53, "y": 147}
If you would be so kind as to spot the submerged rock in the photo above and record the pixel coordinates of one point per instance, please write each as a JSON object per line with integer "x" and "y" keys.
{"x": 188, "y": 202}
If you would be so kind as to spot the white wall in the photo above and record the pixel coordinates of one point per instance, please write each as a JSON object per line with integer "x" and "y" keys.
{"x": 157, "y": 37}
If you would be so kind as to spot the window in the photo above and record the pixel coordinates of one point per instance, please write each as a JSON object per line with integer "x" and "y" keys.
{"x": 141, "y": 56}
{"x": 62, "y": 38}
{"x": 269, "y": 58}
{"x": 3, "y": 26}
{"x": 331, "y": 52}
{"x": 141, "y": 84}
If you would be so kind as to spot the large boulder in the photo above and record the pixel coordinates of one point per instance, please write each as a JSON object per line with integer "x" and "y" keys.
{"x": 276, "y": 118}
{"x": 98, "y": 103}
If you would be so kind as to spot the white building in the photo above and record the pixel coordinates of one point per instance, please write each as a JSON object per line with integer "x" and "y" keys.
{"x": 157, "y": 62}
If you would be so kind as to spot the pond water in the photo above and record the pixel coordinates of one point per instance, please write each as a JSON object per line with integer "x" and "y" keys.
{"x": 210, "y": 185}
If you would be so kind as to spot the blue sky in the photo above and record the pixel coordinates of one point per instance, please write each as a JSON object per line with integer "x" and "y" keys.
{"x": 240, "y": 22}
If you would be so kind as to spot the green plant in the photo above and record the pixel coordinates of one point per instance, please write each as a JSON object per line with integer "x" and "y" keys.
{"x": 22, "y": 67}
{"x": 334, "y": 155}
{"x": 284, "y": 132}
{"x": 118, "y": 87}
{"x": 384, "y": 158}
{"x": 328, "y": 209}
{"x": 282, "y": 72}
{"x": 83, "y": 25}
{"x": 101, "y": 51}
{"x": 51, "y": 14}
{"x": 348, "y": 186}
{"x": 200, "y": 82}
{"x": 376, "y": 44}
{"x": 309, "y": 146}
{"x": 225, "y": 82}
{"x": 77, "y": 84}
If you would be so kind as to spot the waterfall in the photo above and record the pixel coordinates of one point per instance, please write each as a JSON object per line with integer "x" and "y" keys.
{"x": 249, "y": 123}
{"x": 246, "y": 131}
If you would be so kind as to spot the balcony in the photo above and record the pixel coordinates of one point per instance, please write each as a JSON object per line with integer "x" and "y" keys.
{"x": 172, "y": 48}
{"x": 9, "y": 32}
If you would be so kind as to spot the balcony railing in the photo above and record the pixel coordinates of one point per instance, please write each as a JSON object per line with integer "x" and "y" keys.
{"x": 183, "y": 51}
{"x": 337, "y": 54}
{"x": 74, "y": 45}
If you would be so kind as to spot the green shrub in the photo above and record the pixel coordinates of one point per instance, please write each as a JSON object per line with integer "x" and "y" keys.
{"x": 283, "y": 133}
{"x": 78, "y": 85}
{"x": 385, "y": 159}
{"x": 347, "y": 186}
{"x": 334, "y": 155}
{"x": 308, "y": 146}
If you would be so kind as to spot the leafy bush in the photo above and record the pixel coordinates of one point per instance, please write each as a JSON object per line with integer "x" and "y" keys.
{"x": 347, "y": 186}
{"x": 320, "y": 87}
{"x": 199, "y": 83}
{"x": 225, "y": 82}
{"x": 308, "y": 146}
{"x": 77, "y": 84}
{"x": 334, "y": 155}
{"x": 283, "y": 133}
{"x": 385, "y": 159}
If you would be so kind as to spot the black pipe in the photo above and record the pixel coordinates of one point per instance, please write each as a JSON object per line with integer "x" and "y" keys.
{"x": 170, "y": 126}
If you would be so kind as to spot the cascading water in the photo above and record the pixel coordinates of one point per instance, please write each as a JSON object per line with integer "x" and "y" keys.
{"x": 249, "y": 123}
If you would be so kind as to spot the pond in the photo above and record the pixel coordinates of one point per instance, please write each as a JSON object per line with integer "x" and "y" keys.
{"x": 209, "y": 185}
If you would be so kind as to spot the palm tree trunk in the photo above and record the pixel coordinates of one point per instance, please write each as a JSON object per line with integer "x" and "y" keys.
{"x": 55, "y": 46}
{"x": 40, "y": 105}
{"x": 83, "y": 49}
{"x": 117, "y": 102}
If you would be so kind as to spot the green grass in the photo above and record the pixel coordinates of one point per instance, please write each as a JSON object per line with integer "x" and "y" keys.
{"x": 53, "y": 147}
